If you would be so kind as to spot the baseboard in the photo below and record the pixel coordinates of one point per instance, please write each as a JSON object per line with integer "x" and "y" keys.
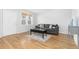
{"x": 13, "y": 34}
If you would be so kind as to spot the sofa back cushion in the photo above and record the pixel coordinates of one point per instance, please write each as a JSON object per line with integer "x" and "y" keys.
{"x": 40, "y": 26}
{"x": 46, "y": 25}
{"x": 54, "y": 26}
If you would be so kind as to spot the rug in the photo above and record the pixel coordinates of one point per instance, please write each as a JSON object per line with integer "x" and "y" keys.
{"x": 38, "y": 36}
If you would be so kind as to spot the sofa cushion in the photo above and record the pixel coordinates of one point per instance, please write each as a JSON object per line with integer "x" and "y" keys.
{"x": 41, "y": 25}
{"x": 50, "y": 26}
{"x": 46, "y": 25}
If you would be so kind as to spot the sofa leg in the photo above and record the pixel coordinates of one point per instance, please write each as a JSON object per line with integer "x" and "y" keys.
{"x": 30, "y": 33}
{"x": 43, "y": 36}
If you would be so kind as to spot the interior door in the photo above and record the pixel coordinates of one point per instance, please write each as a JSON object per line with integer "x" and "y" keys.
{"x": 9, "y": 21}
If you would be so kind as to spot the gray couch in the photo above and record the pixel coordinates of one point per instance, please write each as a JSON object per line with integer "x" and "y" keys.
{"x": 50, "y": 28}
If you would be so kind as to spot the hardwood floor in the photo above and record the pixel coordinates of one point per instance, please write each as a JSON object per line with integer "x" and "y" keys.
{"x": 22, "y": 41}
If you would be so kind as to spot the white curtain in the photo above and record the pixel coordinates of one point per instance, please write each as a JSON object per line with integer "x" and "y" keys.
{"x": 74, "y": 21}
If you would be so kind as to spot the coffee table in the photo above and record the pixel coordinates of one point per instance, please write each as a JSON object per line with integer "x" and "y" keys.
{"x": 36, "y": 30}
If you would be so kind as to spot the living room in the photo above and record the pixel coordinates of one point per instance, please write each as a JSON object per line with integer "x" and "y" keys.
{"x": 16, "y": 27}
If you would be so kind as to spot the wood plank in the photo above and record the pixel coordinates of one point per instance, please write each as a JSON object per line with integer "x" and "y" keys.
{"x": 22, "y": 41}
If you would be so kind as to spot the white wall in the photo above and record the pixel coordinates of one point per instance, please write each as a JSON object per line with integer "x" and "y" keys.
{"x": 19, "y": 26}
{"x": 75, "y": 12}
{"x": 12, "y": 19}
{"x": 62, "y": 17}
{"x": 9, "y": 21}
{"x": 12, "y": 22}
{"x": 1, "y": 31}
